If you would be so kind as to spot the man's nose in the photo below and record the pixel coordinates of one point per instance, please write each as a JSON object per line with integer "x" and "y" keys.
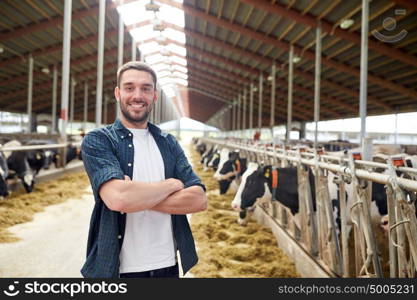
{"x": 137, "y": 93}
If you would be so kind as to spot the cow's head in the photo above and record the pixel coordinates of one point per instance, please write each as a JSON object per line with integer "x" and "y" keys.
{"x": 214, "y": 160}
{"x": 227, "y": 174}
{"x": 258, "y": 184}
{"x": 228, "y": 171}
{"x": 28, "y": 181}
{"x": 255, "y": 188}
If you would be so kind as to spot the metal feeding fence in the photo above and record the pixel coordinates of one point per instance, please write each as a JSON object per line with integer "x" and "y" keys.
{"x": 317, "y": 232}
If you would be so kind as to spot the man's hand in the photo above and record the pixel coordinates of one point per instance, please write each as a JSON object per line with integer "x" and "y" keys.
{"x": 176, "y": 184}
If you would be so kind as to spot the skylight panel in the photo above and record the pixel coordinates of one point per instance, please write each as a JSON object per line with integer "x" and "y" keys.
{"x": 177, "y": 49}
{"x": 174, "y": 35}
{"x": 179, "y": 60}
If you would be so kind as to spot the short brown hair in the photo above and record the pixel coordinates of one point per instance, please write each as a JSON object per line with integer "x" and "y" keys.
{"x": 136, "y": 65}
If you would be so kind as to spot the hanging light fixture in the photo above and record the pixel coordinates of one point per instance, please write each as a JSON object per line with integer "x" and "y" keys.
{"x": 345, "y": 24}
{"x": 296, "y": 59}
{"x": 158, "y": 25}
{"x": 161, "y": 39}
{"x": 45, "y": 70}
{"x": 151, "y": 6}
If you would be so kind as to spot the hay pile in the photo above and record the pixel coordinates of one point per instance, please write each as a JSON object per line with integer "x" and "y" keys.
{"x": 229, "y": 250}
{"x": 20, "y": 206}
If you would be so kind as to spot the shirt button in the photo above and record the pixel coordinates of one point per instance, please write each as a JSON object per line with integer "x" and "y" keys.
{"x": 122, "y": 137}
{"x": 130, "y": 145}
{"x": 121, "y": 213}
{"x": 129, "y": 164}
{"x": 119, "y": 236}
{"x": 130, "y": 134}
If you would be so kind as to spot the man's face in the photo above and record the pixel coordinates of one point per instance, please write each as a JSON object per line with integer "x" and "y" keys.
{"x": 136, "y": 96}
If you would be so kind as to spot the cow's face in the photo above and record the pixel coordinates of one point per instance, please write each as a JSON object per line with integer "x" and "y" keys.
{"x": 225, "y": 176}
{"x": 254, "y": 187}
{"x": 28, "y": 182}
{"x": 215, "y": 161}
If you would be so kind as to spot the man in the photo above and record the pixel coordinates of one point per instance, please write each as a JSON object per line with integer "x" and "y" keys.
{"x": 143, "y": 187}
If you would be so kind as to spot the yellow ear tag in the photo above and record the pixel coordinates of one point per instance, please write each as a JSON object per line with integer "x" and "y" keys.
{"x": 267, "y": 173}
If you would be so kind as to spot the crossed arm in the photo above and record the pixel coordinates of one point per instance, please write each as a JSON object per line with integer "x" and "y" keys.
{"x": 167, "y": 196}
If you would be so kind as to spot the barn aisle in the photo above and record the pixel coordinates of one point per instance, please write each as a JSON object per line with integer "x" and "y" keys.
{"x": 53, "y": 244}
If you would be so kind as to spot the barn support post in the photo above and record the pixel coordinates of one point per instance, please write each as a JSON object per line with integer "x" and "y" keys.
{"x": 120, "y": 50}
{"x": 106, "y": 104}
{"x": 244, "y": 113}
{"x": 85, "y": 112}
{"x": 72, "y": 103}
{"x": 273, "y": 83}
{"x": 251, "y": 108}
{"x": 100, "y": 61}
{"x": 54, "y": 96}
{"x": 317, "y": 84}
{"x": 261, "y": 89}
{"x": 290, "y": 92}
{"x": 66, "y": 53}
{"x": 239, "y": 116}
{"x": 364, "y": 69}
{"x": 233, "y": 128}
{"x": 30, "y": 93}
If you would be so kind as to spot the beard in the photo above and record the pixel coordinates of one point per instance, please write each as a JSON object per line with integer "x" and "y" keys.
{"x": 136, "y": 118}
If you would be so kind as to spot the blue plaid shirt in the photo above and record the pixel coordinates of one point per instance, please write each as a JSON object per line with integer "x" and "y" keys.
{"x": 108, "y": 154}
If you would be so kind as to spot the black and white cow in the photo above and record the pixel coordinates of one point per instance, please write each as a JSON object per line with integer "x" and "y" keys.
{"x": 18, "y": 165}
{"x": 214, "y": 160}
{"x": 259, "y": 183}
{"x": 231, "y": 168}
{"x": 41, "y": 158}
{"x": 208, "y": 155}
{"x": 4, "y": 171}
{"x": 72, "y": 152}
{"x": 200, "y": 147}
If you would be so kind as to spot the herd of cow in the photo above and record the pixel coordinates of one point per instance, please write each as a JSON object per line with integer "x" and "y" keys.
{"x": 25, "y": 165}
{"x": 258, "y": 183}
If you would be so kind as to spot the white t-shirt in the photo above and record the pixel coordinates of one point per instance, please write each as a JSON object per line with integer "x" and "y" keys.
{"x": 148, "y": 243}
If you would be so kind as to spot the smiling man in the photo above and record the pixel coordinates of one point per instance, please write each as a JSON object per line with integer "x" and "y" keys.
{"x": 143, "y": 187}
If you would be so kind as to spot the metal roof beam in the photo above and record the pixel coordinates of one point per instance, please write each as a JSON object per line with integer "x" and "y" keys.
{"x": 308, "y": 76}
{"x": 281, "y": 83}
{"x": 56, "y": 21}
{"x": 330, "y": 28}
{"x": 253, "y": 71}
{"x": 285, "y": 45}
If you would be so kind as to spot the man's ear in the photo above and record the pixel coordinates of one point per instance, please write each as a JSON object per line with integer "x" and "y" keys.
{"x": 155, "y": 96}
{"x": 117, "y": 93}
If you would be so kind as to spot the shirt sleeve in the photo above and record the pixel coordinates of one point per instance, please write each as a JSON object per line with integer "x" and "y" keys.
{"x": 183, "y": 170}
{"x": 99, "y": 160}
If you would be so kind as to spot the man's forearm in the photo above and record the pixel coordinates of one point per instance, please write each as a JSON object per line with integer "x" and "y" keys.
{"x": 131, "y": 196}
{"x": 189, "y": 200}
